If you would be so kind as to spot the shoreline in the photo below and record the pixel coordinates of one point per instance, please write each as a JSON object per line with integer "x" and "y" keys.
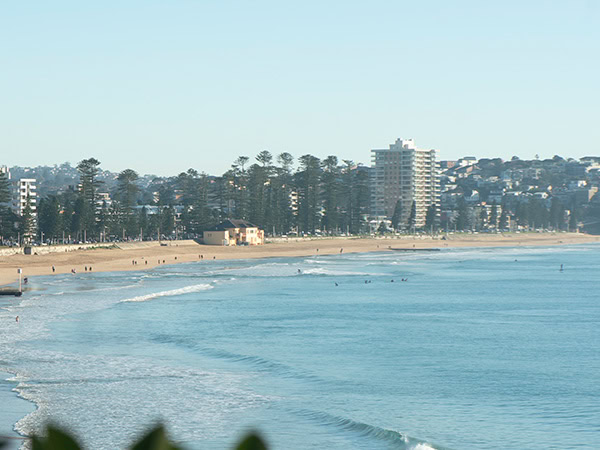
{"x": 147, "y": 255}
{"x": 183, "y": 252}
{"x": 14, "y": 409}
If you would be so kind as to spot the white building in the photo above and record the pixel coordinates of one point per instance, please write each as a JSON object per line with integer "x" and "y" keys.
{"x": 406, "y": 173}
{"x": 466, "y": 161}
{"x": 6, "y": 170}
{"x": 26, "y": 191}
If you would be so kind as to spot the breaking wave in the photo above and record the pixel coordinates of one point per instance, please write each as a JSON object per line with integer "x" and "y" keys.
{"x": 322, "y": 271}
{"x": 397, "y": 439}
{"x": 170, "y": 293}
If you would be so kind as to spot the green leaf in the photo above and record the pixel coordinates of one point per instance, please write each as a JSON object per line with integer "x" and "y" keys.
{"x": 55, "y": 440}
{"x": 58, "y": 439}
{"x": 252, "y": 442}
{"x": 156, "y": 439}
{"x": 37, "y": 444}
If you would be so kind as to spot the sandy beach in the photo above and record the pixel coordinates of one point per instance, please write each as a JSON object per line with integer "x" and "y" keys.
{"x": 145, "y": 255}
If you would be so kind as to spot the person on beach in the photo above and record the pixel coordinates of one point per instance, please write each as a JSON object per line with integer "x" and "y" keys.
{"x": 90, "y": 268}
{"x": 53, "y": 269}
{"x": 341, "y": 251}
{"x": 85, "y": 268}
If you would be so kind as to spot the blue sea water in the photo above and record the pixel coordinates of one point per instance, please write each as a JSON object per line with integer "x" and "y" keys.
{"x": 479, "y": 348}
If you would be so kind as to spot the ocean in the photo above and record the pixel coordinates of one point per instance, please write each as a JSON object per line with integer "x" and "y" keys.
{"x": 478, "y": 348}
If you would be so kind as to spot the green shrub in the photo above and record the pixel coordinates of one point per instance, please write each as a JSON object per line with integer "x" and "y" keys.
{"x": 156, "y": 439}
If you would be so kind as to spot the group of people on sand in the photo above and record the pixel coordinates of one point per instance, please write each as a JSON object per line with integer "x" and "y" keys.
{"x": 74, "y": 271}
{"x": 133, "y": 263}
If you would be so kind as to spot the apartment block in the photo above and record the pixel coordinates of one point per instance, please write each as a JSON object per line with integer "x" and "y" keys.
{"x": 26, "y": 191}
{"x": 406, "y": 173}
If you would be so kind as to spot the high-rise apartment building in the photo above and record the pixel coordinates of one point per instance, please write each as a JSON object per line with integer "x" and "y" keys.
{"x": 26, "y": 192}
{"x": 406, "y": 173}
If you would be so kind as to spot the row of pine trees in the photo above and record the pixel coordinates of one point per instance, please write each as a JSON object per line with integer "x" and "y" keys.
{"x": 269, "y": 192}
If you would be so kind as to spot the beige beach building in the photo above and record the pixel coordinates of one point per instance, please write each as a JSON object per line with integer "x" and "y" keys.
{"x": 235, "y": 232}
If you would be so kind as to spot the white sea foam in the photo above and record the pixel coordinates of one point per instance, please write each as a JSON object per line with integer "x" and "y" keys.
{"x": 116, "y": 389}
{"x": 423, "y": 446}
{"x": 170, "y": 293}
{"x": 322, "y": 271}
{"x": 320, "y": 261}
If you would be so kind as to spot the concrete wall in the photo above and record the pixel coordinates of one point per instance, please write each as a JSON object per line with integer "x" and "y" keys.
{"x": 44, "y": 249}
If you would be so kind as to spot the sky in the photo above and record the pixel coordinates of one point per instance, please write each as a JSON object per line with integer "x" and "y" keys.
{"x": 163, "y": 86}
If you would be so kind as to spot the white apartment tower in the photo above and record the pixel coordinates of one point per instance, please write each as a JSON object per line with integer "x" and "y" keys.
{"x": 26, "y": 191}
{"x": 406, "y": 173}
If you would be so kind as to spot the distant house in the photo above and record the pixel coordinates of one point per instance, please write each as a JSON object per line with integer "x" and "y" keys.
{"x": 235, "y": 232}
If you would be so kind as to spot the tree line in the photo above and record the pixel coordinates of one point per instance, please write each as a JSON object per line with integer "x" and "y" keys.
{"x": 276, "y": 193}
{"x": 533, "y": 213}
{"x": 318, "y": 196}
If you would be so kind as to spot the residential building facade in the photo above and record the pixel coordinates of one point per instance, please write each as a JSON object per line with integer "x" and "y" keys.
{"x": 26, "y": 192}
{"x": 406, "y": 174}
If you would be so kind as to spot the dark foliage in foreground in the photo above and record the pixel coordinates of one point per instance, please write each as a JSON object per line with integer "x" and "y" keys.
{"x": 156, "y": 439}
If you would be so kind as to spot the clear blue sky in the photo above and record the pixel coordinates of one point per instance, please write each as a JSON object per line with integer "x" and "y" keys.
{"x": 161, "y": 86}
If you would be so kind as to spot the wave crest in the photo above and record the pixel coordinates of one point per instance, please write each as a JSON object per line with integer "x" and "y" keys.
{"x": 170, "y": 293}
{"x": 397, "y": 439}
